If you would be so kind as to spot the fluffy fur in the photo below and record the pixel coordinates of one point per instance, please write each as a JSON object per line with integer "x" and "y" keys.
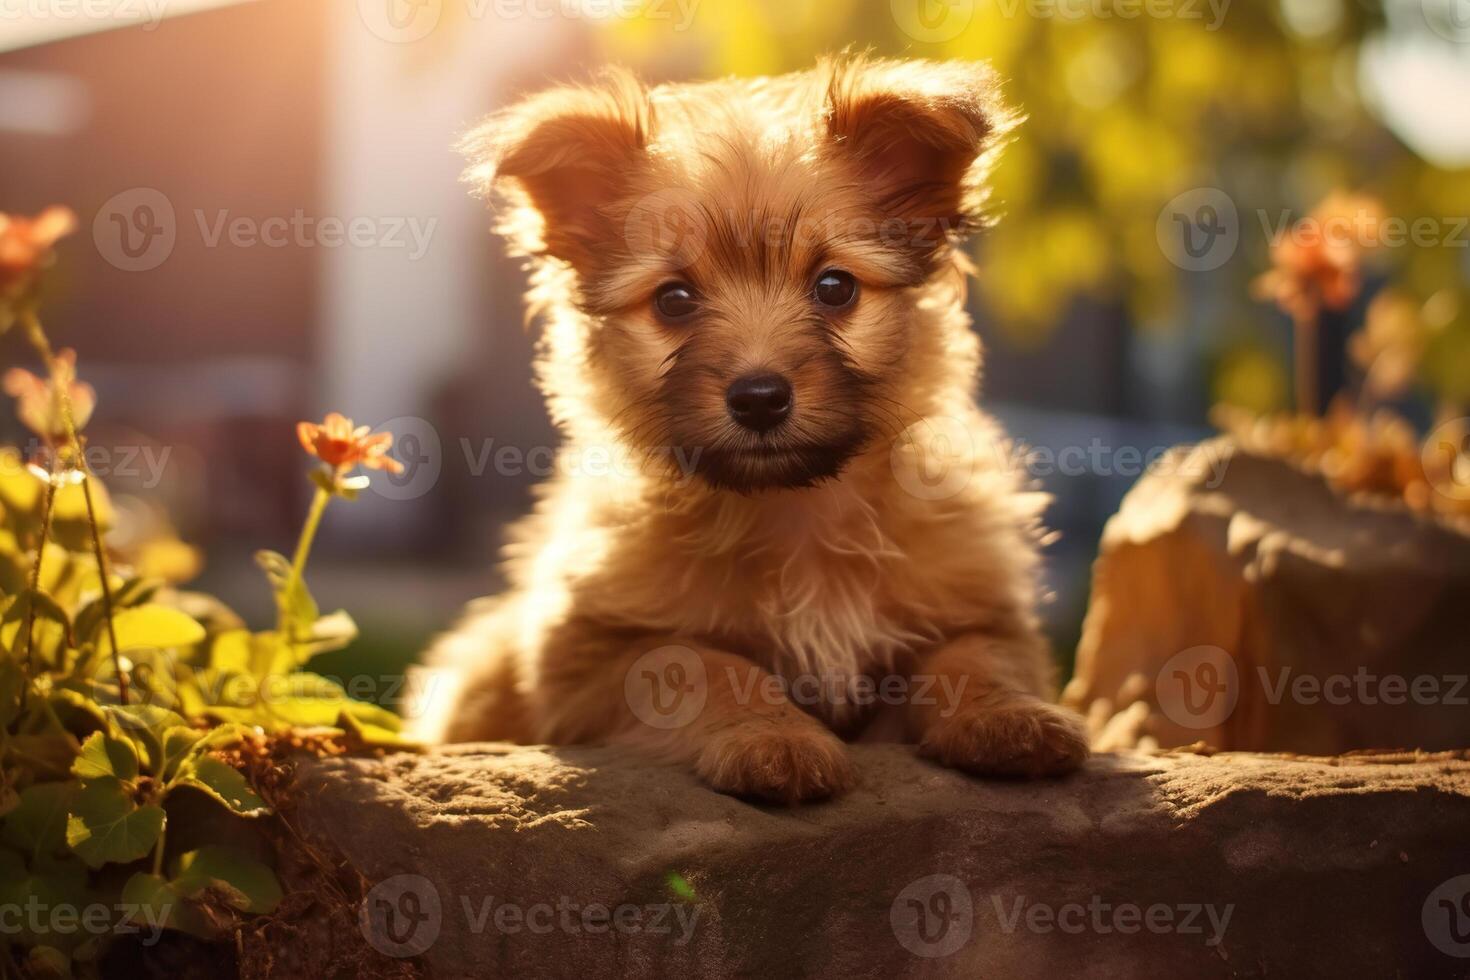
{"x": 816, "y": 550}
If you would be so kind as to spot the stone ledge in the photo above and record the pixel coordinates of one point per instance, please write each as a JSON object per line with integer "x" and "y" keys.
{"x": 1324, "y": 865}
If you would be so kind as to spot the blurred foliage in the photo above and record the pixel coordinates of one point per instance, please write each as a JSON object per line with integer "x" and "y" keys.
{"x": 1365, "y": 452}
{"x": 119, "y": 691}
{"x": 86, "y": 770}
{"x": 1261, "y": 100}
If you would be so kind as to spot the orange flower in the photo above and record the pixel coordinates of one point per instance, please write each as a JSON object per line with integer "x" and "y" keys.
{"x": 25, "y": 246}
{"x": 1317, "y": 264}
{"x": 342, "y": 446}
{"x": 39, "y": 401}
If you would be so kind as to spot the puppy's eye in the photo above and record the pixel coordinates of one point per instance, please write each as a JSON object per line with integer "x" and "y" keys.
{"x": 835, "y": 289}
{"x": 675, "y": 301}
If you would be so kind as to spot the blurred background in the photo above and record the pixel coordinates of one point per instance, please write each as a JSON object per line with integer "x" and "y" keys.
{"x": 272, "y": 226}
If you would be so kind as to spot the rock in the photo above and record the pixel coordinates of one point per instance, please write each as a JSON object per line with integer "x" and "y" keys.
{"x": 496, "y": 860}
{"x": 1240, "y": 601}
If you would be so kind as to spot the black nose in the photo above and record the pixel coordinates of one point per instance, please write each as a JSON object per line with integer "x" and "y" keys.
{"x": 760, "y": 401}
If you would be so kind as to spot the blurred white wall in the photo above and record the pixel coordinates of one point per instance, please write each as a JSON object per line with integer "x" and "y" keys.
{"x": 398, "y": 321}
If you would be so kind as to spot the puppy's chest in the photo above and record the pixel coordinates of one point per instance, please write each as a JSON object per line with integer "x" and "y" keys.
{"x": 805, "y": 605}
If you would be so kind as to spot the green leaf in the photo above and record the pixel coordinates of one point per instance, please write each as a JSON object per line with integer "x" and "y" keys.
{"x": 150, "y": 626}
{"x": 294, "y": 601}
{"x": 51, "y": 628}
{"x": 223, "y": 782}
{"x": 37, "y": 826}
{"x": 107, "y": 827}
{"x": 46, "y": 607}
{"x": 157, "y": 678}
{"x": 243, "y": 882}
{"x": 103, "y": 755}
{"x": 369, "y": 735}
{"x": 256, "y": 655}
{"x": 144, "y": 725}
{"x": 144, "y": 717}
{"x": 47, "y": 884}
{"x": 75, "y": 708}
{"x": 223, "y": 736}
{"x": 135, "y": 591}
{"x": 178, "y": 742}
{"x": 269, "y": 653}
{"x": 272, "y": 656}
{"x": 157, "y": 903}
{"x": 309, "y": 700}
{"x": 232, "y": 652}
{"x": 71, "y": 527}
{"x": 218, "y": 738}
{"x": 210, "y": 688}
{"x": 372, "y": 714}
{"x": 131, "y": 592}
{"x": 20, "y": 491}
{"x": 60, "y": 573}
{"x": 71, "y": 504}
{"x": 152, "y": 890}
{"x": 201, "y": 688}
{"x": 328, "y": 633}
{"x": 301, "y": 608}
{"x": 49, "y": 753}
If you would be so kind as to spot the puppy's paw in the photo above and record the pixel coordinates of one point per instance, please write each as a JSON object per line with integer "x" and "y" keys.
{"x": 1024, "y": 737}
{"x": 784, "y": 762}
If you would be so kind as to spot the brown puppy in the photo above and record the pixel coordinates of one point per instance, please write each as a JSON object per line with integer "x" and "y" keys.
{"x": 778, "y": 508}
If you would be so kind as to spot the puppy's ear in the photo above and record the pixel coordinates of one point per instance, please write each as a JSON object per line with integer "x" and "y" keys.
{"x": 922, "y": 135}
{"x": 559, "y": 158}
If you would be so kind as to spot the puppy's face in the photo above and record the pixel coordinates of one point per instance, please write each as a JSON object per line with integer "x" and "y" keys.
{"x": 747, "y": 256}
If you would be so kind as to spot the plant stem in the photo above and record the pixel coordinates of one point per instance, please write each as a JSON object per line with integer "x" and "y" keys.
{"x": 42, "y": 344}
{"x": 101, "y": 553}
{"x": 46, "y": 510}
{"x": 303, "y": 551}
{"x": 158, "y": 850}
{"x": 1305, "y": 356}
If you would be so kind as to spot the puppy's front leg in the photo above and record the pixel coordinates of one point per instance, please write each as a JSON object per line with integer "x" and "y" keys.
{"x": 720, "y": 712}
{"x": 985, "y": 710}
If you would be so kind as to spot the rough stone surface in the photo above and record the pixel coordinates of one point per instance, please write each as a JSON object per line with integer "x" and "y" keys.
{"x": 1325, "y": 867}
{"x": 1242, "y": 602}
